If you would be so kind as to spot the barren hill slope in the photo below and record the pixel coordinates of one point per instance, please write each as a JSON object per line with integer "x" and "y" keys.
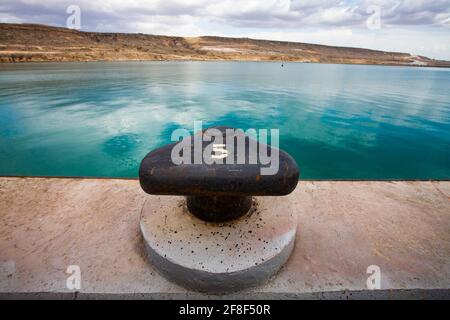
{"x": 30, "y": 42}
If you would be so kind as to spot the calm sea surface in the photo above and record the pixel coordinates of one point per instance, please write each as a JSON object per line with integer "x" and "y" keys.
{"x": 337, "y": 121}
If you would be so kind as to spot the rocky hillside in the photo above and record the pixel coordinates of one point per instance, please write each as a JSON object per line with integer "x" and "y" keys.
{"x": 30, "y": 42}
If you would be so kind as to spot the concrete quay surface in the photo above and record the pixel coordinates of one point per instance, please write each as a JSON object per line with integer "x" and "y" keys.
{"x": 48, "y": 224}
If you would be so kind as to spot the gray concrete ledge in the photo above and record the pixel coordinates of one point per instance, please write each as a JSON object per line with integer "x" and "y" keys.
{"x": 47, "y": 224}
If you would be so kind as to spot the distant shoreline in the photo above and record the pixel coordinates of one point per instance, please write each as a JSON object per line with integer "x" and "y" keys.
{"x": 224, "y": 60}
{"x": 39, "y": 43}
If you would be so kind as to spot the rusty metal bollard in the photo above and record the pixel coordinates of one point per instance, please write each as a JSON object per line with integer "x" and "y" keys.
{"x": 219, "y": 191}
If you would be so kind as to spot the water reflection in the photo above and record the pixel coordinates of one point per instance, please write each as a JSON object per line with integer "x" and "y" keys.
{"x": 338, "y": 121}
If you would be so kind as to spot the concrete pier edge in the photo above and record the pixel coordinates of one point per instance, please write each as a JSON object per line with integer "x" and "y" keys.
{"x": 47, "y": 224}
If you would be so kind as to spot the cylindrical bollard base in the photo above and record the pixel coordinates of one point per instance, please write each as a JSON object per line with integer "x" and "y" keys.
{"x": 218, "y": 257}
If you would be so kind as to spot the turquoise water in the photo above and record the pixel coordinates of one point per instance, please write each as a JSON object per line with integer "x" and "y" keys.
{"x": 338, "y": 121}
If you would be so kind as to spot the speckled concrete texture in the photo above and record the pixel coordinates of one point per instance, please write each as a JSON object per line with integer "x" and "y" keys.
{"x": 47, "y": 224}
{"x": 218, "y": 257}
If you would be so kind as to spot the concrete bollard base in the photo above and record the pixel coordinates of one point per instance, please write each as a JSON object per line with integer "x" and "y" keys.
{"x": 218, "y": 257}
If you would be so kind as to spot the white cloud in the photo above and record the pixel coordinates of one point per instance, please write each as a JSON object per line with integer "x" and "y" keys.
{"x": 9, "y": 18}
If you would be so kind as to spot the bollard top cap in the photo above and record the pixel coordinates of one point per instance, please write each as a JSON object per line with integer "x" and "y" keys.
{"x": 218, "y": 161}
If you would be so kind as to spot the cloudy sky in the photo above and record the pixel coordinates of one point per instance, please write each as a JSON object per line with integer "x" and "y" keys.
{"x": 414, "y": 26}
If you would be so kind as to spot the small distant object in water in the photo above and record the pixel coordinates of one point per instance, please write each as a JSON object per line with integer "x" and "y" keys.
{"x": 282, "y": 64}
